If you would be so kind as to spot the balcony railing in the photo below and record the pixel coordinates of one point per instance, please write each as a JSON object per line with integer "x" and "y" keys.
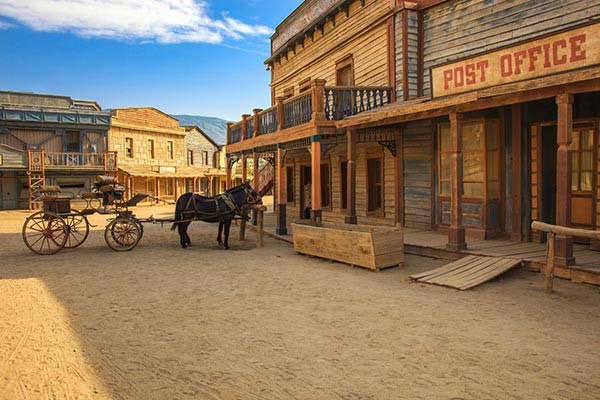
{"x": 322, "y": 104}
{"x": 102, "y": 161}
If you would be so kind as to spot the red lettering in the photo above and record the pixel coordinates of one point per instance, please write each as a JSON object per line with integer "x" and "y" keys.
{"x": 470, "y": 73}
{"x": 547, "y": 56}
{"x": 447, "y": 78}
{"x": 482, "y": 66}
{"x": 577, "y": 53}
{"x": 506, "y": 65}
{"x": 533, "y": 56}
{"x": 559, "y": 60}
{"x": 519, "y": 57}
{"x": 459, "y": 77}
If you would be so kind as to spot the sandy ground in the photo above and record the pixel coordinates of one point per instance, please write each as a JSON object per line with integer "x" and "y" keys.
{"x": 166, "y": 323}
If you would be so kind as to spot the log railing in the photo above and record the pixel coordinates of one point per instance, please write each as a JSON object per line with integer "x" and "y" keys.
{"x": 344, "y": 101}
{"x": 297, "y": 110}
{"x": 321, "y": 103}
{"x": 552, "y": 231}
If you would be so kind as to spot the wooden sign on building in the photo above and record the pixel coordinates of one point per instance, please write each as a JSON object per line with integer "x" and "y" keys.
{"x": 553, "y": 54}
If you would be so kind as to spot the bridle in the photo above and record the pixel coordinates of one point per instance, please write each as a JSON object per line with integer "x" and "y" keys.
{"x": 230, "y": 201}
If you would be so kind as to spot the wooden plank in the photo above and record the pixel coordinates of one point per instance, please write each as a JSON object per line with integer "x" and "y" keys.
{"x": 444, "y": 269}
{"x": 501, "y": 268}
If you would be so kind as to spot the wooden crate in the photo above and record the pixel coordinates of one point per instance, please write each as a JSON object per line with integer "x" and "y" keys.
{"x": 372, "y": 247}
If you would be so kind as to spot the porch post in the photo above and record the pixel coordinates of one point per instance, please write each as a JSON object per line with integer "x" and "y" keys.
{"x": 399, "y": 182}
{"x": 255, "y": 183}
{"x": 244, "y": 169}
{"x": 315, "y": 183}
{"x": 456, "y": 232}
{"x": 517, "y": 171}
{"x": 351, "y": 177}
{"x": 279, "y": 193}
{"x": 563, "y": 245}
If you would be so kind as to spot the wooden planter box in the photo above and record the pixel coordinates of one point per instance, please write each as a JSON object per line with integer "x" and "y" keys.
{"x": 372, "y": 247}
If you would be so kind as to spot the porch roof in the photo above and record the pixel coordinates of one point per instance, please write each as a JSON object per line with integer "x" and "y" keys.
{"x": 148, "y": 172}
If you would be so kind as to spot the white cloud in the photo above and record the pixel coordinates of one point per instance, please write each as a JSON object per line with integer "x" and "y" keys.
{"x": 163, "y": 21}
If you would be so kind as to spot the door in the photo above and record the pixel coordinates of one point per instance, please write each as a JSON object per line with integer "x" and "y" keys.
{"x": 305, "y": 191}
{"x": 583, "y": 185}
{"x": 9, "y": 185}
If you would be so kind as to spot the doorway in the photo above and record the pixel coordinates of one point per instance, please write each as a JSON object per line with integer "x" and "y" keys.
{"x": 305, "y": 191}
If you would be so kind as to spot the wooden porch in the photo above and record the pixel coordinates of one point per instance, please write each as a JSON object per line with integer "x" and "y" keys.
{"x": 434, "y": 244}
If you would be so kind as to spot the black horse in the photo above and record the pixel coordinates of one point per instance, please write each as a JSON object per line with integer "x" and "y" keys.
{"x": 222, "y": 209}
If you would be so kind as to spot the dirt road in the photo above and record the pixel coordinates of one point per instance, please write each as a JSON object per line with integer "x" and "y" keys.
{"x": 166, "y": 323}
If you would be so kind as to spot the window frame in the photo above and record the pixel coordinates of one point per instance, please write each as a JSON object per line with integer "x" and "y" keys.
{"x": 578, "y": 153}
{"x": 129, "y": 147}
{"x": 341, "y": 65}
{"x": 371, "y": 211}
{"x": 151, "y": 149}
{"x": 190, "y": 157}
{"x": 290, "y": 193}
{"x": 170, "y": 150}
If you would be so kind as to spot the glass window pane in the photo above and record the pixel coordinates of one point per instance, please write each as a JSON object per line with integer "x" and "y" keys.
{"x": 473, "y": 167}
{"x": 587, "y": 140}
{"x": 473, "y": 189}
{"x": 445, "y": 138}
{"x": 586, "y": 181}
{"x": 575, "y": 162}
{"x": 472, "y": 136}
{"x": 587, "y": 161}
{"x": 575, "y": 181}
{"x": 575, "y": 141}
{"x": 445, "y": 166}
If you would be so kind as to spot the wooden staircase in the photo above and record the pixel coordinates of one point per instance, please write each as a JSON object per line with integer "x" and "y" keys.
{"x": 266, "y": 179}
{"x": 36, "y": 173}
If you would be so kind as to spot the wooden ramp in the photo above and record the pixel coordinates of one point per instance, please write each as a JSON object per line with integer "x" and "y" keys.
{"x": 467, "y": 272}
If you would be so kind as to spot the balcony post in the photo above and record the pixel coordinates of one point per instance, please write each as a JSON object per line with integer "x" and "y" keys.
{"x": 256, "y": 117}
{"x": 351, "y": 177}
{"x": 229, "y": 124}
{"x": 318, "y": 99}
{"x": 280, "y": 113}
{"x": 563, "y": 245}
{"x": 315, "y": 182}
{"x": 456, "y": 232}
{"x": 245, "y": 126}
{"x": 255, "y": 182}
{"x": 279, "y": 192}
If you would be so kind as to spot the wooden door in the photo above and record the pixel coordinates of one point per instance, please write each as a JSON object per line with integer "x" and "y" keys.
{"x": 582, "y": 152}
{"x": 305, "y": 191}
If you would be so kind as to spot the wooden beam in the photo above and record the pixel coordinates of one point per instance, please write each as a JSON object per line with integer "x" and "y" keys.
{"x": 316, "y": 212}
{"x": 563, "y": 244}
{"x": 456, "y": 232}
{"x": 351, "y": 177}
{"x": 517, "y": 171}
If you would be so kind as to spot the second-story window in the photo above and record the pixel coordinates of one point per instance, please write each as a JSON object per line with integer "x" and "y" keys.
{"x": 151, "y": 149}
{"x": 170, "y": 152}
{"x": 205, "y": 158}
{"x": 304, "y": 85}
{"x": 344, "y": 75}
{"x": 216, "y": 159}
{"x": 190, "y": 157}
{"x": 289, "y": 92}
{"x": 129, "y": 147}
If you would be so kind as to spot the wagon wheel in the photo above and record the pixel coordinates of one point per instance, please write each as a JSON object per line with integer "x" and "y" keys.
{"x": 78, "y": 228}
{"x": 45, "y": 233}
{"x": 122, "y": 234}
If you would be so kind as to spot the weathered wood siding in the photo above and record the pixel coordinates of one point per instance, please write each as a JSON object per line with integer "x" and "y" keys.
{"x": 363, "y": 35}
{"x": 12, "y": 158}
{"x": 407, "y": 47}
{"x": 463, "y": 28}
{"x": 418, "y": 159}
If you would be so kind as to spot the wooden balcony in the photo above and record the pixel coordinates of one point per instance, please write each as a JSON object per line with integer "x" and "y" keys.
{"x": 78, "y": 161}
{"x": 309, "y": 113}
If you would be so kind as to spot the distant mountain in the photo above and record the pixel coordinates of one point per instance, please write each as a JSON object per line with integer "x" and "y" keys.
{"x": 216, "y": 128}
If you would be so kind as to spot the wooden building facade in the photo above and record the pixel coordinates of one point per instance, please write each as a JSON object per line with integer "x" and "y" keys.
{"x": 50, "y": 140}
{"x": 462, "y": 116}
{"x": 158, "y": 156}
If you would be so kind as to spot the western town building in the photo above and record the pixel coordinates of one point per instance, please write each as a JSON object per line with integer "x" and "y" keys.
{"x": 471, "y": 118}
{"x": 50, "y": 140}
{"x": 159, "y": 157}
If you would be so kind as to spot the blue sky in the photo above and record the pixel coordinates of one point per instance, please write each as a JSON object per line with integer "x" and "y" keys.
{"x": 181, "y": 56}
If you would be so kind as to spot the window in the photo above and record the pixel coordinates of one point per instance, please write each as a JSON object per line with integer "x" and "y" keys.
{"x": 582, "y": 160}
{"x": 170, "y": 187}
{"x": 170, "y": 150}
{"x": 151, "y": 149}
{"x": 129, "y": 147}
{"x": 325, "y": 185}
{"x": 375, "y": 184}
{"x": 217, "y": 159}
{"x": 205, "y": 158}
{"x": 190, "y": 157}
{"x": 304, "y": 85}
{"x": 289, "y": 184}
{"x": 473, "y": 140}
{"x": 345, "y": 72}
{"x": 344, "y": 180}
{"x": 289, "y": 92}
{"x": 72, "y": 141}
{"x": 492, "y": 133}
